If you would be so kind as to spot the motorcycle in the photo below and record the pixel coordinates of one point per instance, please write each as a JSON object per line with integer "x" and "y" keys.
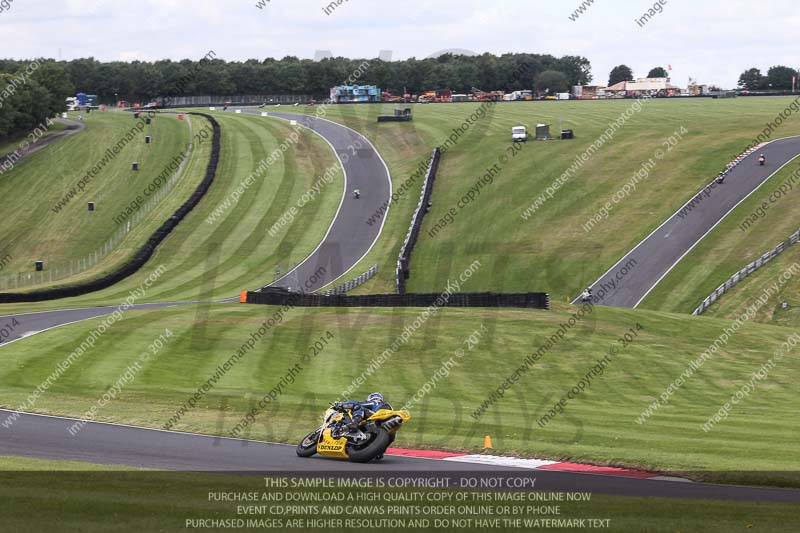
{"x": 762, "y": 160}
{"x": 336, "y": 440}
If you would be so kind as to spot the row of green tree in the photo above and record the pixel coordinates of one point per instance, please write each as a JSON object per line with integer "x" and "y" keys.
{"x": 778, "y": 78}
{"x": 31, "y": 93}
{"x": 140, "y": 81}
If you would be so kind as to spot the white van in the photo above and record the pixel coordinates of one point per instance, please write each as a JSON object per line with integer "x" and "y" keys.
{"x": 519, "y": 134}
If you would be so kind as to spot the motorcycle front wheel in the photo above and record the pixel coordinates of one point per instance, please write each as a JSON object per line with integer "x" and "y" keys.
{"x": 308, "y": 446}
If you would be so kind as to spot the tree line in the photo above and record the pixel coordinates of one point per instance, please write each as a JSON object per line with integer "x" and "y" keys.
{"x": 778, "y": 78}
{"x": 30, "y": 93}
{"x": 140, "y": 81}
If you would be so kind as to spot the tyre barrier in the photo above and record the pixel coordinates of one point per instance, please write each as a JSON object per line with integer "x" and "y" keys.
{"x": 284, "y": 298}
{"x": 404, "y": 261}
{"x": 144, "y": 254}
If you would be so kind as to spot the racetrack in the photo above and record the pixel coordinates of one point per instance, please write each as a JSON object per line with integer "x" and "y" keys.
{"x": 27, "y": 324}
{"x": 48, "y": 437}
{"x": 348, "y": 239}
{"x": 346, "y": 242}
{"x": 633, "y": 277}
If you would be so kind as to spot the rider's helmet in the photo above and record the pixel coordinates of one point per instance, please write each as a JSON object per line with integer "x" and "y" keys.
{"x": 375, "y": 398}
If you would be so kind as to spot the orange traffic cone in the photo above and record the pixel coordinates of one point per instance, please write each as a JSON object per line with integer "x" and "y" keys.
{"x": 487, "y": 443}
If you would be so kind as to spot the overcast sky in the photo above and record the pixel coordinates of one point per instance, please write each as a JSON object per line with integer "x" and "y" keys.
{"x": 713, "y": 41}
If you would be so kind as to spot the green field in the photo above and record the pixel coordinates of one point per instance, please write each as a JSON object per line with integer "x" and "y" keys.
{"x": 27, "y": 464}
{"x": 67, "y": 238}
{"x": 236, "y": 252}
{"x": 551, "y": 251}
{"x": 10, "y": 143}
{"x": 600, "y": 426}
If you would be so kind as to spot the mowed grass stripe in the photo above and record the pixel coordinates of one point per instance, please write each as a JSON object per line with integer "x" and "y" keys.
{"x": 73, "y": 233}
{"x": 248, "y": 252}
{"x": 242, "y": 149}
{"x": 191, "y": 271}
{"x": 551, "y": 251}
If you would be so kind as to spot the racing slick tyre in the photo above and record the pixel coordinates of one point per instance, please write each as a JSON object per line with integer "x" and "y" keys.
{"x": 376, "y": 446}
{"x": 378, "y": 457}
{"x": 308, "y": 446}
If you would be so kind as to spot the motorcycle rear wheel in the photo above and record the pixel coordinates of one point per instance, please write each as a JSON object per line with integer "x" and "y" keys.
{"x": 308, "y": 446}
{"x": 368, "y": 452}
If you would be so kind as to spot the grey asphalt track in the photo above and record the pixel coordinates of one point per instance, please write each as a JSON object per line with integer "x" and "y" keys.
{"x": 629, "y": 281}
{"x": 349, "y": 237}
{"x": 49, "y": 438}
{"x": 25, "y": 325}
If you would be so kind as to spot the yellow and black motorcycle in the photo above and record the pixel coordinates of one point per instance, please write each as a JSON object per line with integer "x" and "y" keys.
{"x": 336, "y": 439}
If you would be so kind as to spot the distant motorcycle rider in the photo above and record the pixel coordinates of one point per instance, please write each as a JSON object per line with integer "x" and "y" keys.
{"x": 762, "y": 160}
{"x": 357, "y": 194}
{"x": 586, "y": 296}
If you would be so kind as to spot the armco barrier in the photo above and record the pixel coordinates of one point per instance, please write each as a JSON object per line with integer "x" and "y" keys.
{"x": 404, "y": 261}
{"x": 281, "y": 297}
{"x": 144, "y": 254}
{"x": 352, "y": 284}
{"x": 746, "y": 271}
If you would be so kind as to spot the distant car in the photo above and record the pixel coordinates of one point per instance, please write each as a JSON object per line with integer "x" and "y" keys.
{"x": 519, "y": 134}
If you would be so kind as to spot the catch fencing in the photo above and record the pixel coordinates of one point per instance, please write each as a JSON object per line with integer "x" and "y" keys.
{"x": 745, "y": 272}
{"x": 282, "y": 297}
{"x": 143, "y": 255}
{"x": 404, "y": 261}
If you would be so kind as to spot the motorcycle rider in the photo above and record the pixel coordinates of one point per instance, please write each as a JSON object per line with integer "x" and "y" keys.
{"x": 586, "y": 296}
{"x": 762, "y": 160}
{"x": 362, "y": 410}
{"x": 357, "y": 194}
